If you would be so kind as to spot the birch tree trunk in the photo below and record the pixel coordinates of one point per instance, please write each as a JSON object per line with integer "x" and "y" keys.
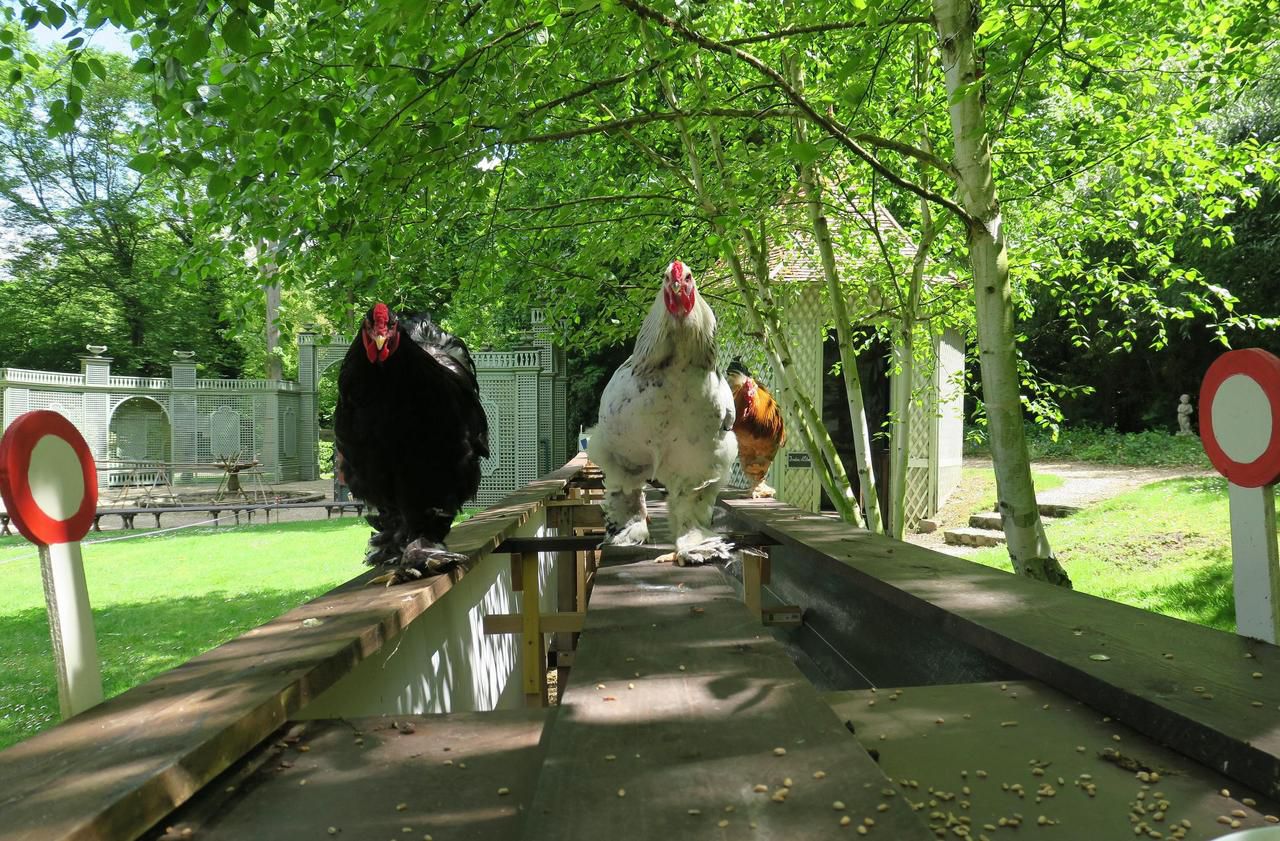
{"x": 956, "y": 22}
{"x": 811, "y": 186}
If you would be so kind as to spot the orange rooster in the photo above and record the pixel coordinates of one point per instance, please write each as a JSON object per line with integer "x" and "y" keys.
{"x": 758, "y": 425}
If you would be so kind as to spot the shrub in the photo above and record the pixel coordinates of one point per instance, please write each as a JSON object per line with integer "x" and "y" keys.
{"x": 1090, "y": 443}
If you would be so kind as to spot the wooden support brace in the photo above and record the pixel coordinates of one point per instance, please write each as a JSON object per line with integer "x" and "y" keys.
{"x": 533, "y": 661}
{"x": 755, "y": 574}
{"x": 550, "y": 623}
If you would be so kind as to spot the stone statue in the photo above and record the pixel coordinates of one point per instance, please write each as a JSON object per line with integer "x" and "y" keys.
{"x": 1184, "y": 415}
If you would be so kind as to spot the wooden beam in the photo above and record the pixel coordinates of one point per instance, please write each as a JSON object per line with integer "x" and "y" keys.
{"x": 550, "y": 543}
{"x": 533, "y": 660}
{"x": 550, "y": 623}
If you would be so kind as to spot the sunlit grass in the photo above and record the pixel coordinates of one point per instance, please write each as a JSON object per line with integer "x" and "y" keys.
{"x": 1165, "y": 547}
{"x": 160, "y": 600}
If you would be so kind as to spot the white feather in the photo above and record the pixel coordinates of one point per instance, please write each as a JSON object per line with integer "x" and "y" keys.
{"x": 665, "y": 415}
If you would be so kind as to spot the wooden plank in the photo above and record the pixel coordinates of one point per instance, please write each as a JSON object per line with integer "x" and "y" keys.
{"x": 978, "y": 753}
{"x": 354, "y": 775}
{"x": 551, "y": 623}
{"x": 113, "y": 771}
{"x": 678, "y": 702}
{"x": 1201, "y": 699}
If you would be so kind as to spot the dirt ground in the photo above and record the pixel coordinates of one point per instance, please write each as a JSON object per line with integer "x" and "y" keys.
{"x": 1084, "y": 483}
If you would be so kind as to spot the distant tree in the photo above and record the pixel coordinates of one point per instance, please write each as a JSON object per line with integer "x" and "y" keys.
{"x": 95, "y": 243}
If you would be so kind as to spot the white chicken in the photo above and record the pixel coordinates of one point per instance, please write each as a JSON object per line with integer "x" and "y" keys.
{"x": 667, "y": 414}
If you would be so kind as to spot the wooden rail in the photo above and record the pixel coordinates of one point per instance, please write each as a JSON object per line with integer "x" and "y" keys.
{"x": 1210, "y": 695}
{"x": 113, "y": 771}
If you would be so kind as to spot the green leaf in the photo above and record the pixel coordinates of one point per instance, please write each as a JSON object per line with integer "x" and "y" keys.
{"x": 80, "y": 72}
{"x": 195, "y": 47}
{"x": 97, "y": 67}
{"x": 143, "y": 162}
{"x": 219, "y": 184}
{"x": 237, "y": 35}
{"x": 55, "y": 16}
{"x": 144, "y": 65}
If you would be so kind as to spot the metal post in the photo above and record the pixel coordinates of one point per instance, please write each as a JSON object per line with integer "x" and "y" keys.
{"x": 75, "y": 649}
{"x": 1254, "y": 558}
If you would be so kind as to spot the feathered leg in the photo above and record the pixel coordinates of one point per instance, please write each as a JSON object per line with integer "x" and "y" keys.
{"x": 625, "y": 513}
{"x": 689, "y": 512}
{"x": 755, "y": 470}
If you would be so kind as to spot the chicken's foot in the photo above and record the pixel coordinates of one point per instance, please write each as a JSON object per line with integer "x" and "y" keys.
{"x": 421, "y": 559}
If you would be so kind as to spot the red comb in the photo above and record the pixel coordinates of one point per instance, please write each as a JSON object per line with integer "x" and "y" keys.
{"x": 677, "y": 270}
{"x": 381, "y": 315}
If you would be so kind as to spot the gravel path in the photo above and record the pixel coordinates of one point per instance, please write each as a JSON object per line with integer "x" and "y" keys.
{"x": 1084, "y": 483}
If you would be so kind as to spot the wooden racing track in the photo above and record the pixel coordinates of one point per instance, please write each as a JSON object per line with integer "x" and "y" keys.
{"x": 829, "y": 683}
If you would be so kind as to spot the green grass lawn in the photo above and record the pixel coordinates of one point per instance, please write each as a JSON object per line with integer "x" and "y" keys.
{"x": 1165, "y": 547}
{"x": 159, "y": 601}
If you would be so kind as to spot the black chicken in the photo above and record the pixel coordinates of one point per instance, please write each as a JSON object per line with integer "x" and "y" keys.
{"x": 411, "y": 432}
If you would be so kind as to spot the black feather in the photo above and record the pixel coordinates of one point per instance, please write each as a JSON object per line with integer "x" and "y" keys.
{"x": 411, "y": 431}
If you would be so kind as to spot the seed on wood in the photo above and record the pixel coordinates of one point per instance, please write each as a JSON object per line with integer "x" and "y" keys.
{"x": 1225, "y": 792}
{"x": 883, "y": 737}
{"x": 681, "y": 667}
{"x": 760, "y": 788}
{"x": 1257, "y": 675}
{"x": 939, "y": 721}
{"x": 1255, "y": 703}
{"x": 1223, "y": 819}
{"x": 869, "y": 821}
{"x": 462, "y": 765}
{"x": 780, "y": 795}
{"x": 982, "y": 774}
{"x": 609, "y": 757}
{"x": 818, "y": 775}
{"x": 304, "y": 748}
{"x": 883, "y": 807}
{"x": 838, "y": 805}
{"x": 786, "y": 783}
{"x": 631, "y": 686}
{"x": 1115, "y": 738}
{"x": 333, "y": 830}
{"x": 871, "y": 703}
{"x": 302, "y": 782}
{"x": 1271, "y": 819}
{"x": 600, "y": 686}
{"x": 400, "y": 807}
{"x": 1008, "y": 724}
{"x": 965, "y": 790}
{"x": 1045, "y": 707}
{"x": 406, "y": 829}
{"x": 845, "y": 820}
{"x": 779, "y": 751}
{"x": 695, "y": 812}
{"x": 1079, "y": 748}
{"x": 622, "y": 792}
{"x": 862, "y": 830}
{"x": 1239, "y": 813}
{"x": 1004, "y": 686}
{"x": 722, "y": 824}
{"x": 1037, "y": 772}
{"x": 1168, "y": 656}
{"x": 1235, "y": 824}
{"x": 448, "y": 762}
{"x": 1186, "y": 823}
{"x": 504, "y": 791}
{"x": 1208, "y": 696}
{"x": 1249, "y": 801}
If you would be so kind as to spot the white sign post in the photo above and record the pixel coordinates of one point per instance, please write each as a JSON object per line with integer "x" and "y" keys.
{"x": 50, "y": 486}
{"x": 1240, "y": 430}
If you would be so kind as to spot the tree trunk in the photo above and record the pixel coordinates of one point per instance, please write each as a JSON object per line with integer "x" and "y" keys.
{"x": 956, "y": 22}
{"x": 848, "y": 361}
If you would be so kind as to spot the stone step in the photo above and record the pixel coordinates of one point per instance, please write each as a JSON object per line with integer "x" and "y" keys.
{"x": 1050, "y": 509}
{"x": 973, "y": 537}
{"x": 986, "y": 520}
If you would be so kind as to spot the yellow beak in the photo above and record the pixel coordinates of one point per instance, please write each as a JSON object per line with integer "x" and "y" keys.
{"x": 379, "y": 341}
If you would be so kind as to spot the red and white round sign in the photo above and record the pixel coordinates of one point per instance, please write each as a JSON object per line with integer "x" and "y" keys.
{"x": 1240, "y": 416}
{"x": 47, "y": 478}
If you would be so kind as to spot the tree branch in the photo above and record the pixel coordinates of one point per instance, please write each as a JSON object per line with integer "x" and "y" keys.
{"x": 800, "y": 102}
